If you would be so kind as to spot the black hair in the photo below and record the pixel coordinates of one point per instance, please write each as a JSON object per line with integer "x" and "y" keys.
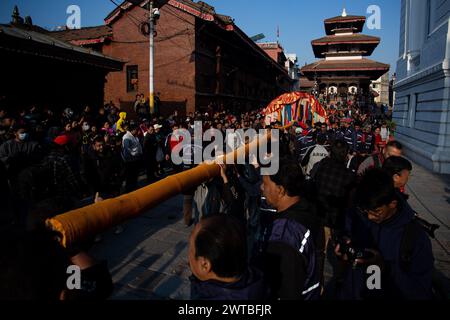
{"x": 19, "y": 127}
{"x": 395, "y": 165}
{"x": 375, "y": 190}
{"x": 222, "y": 241}
{"x": 339, "y": 151}
{"x": 290, "y": 176}
{"x": 321, "y": 139}
{"x": 132, "y": 125}
{"x": 33, "y": 265}
{"x": 98, "y": 139}
{"x": 394, "y": 144}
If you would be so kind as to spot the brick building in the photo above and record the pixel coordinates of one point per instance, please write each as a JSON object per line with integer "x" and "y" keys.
{"x": 201, "y": 57}
{"x": 274, "y": 50}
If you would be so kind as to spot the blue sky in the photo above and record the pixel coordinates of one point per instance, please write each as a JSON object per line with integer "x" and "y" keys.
{"x": 300, "y": 21}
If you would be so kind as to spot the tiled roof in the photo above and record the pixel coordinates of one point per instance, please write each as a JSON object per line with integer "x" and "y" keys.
{"x": 88, "y": 33}
{"x": 339, "y": 22}
{"x": 269, "y": 45}
{"x": 354, "y": 38}
{"x": 351, "y": 65}
{"x": 200, "y": 8}
{"x": 341, "y": 19}
{"x": 32, "y": 42}
{"x": 305, "y": 83}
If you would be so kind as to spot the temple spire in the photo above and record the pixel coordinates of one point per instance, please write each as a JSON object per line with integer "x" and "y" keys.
{"x": 15, "y": 16}
{"x": 344, "y": 13}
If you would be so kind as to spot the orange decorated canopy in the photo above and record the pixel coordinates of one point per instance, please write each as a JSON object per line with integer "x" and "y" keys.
{"x": 295, "y": 106}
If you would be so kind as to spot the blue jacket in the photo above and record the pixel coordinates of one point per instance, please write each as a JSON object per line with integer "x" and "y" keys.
{"x": 250, "y": 287}
{"x": 350, "y": 138}
{"x": 386, "y": 238}
{"x": 291, "y": 258}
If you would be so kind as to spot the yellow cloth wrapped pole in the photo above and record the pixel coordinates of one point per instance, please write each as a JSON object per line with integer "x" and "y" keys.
{"x": 96, "y": 218}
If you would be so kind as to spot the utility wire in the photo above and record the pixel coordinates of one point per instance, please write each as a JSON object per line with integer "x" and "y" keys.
{"x": 129, "y": 16}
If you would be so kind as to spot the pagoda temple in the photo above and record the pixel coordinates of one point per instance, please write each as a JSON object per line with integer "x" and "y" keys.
{"x": 343, "y": 74}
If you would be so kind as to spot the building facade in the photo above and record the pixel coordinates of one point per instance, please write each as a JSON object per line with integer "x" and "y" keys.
{"x": 344, "y": 74}
{"x": 289, "y": 61}
{"x": 201, "y": 58}
{"x": 422, "y": 88}
{"x": 380, "y": 88}
{"x": 293, "y": 70}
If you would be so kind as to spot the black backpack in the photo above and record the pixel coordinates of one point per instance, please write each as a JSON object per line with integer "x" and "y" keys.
{"x": 411, "y": 232}
{"x": 440, "y": 284}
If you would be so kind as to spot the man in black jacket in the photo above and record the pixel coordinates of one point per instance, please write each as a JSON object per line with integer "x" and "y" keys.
{"x": 20, "y": 152}
{"x": 150, "y": 149}
{"x": 17, "y": 155}
{"x": 295, "y": 240}
{"x": 102, "y": 169}
{"x": 233, "y": 194}
{"x": 382, "y": 229}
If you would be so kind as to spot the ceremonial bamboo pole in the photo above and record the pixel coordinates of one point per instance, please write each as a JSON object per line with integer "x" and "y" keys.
{"x": 94, "y": 219}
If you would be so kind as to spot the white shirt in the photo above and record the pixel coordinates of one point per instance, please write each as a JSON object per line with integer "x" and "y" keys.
{"x": 384, "y": 133}
{"x": 319, "y": 152}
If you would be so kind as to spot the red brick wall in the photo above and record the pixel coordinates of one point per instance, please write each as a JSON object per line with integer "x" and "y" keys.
{"x": 174, "y": 65}
{"x": 273, "y": 53}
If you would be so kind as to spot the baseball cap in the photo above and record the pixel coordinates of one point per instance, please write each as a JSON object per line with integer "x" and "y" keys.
{"x": 61, "y": 140}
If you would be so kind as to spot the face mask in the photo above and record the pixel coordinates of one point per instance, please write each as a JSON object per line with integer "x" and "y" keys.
{"x": 86, "y": 127}
{"x": 23, "y": 136}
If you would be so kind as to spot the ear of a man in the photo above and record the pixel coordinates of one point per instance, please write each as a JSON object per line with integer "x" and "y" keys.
{"x": 205, "y": 266}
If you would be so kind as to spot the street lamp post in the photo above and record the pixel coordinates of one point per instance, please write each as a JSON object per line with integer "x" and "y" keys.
{"x": 154, "y": 16}
{"x": 151, "y": 64}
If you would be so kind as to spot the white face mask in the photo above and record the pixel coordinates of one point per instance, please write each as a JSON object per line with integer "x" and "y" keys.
{"x": 86, "y": 127}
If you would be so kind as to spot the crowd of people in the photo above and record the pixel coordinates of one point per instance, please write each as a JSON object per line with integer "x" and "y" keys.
{"x": 339, "y": 195}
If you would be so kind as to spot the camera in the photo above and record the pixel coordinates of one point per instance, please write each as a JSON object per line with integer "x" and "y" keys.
{"x": 352, "y": 252}
{"x": 156, "y": 13}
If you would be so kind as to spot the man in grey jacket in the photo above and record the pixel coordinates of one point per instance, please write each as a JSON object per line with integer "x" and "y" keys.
{"x": 132, "y": 156}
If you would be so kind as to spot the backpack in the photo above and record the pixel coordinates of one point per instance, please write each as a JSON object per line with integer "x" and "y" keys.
{"x": 440, "y": 284}
{"x": 410, "y": 234}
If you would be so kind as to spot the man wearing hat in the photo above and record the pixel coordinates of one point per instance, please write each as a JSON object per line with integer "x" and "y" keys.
{"x": 64, "y": 186}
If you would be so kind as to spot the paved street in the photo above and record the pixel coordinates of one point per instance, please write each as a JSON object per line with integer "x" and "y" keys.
{"x": 149, "y": 259}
